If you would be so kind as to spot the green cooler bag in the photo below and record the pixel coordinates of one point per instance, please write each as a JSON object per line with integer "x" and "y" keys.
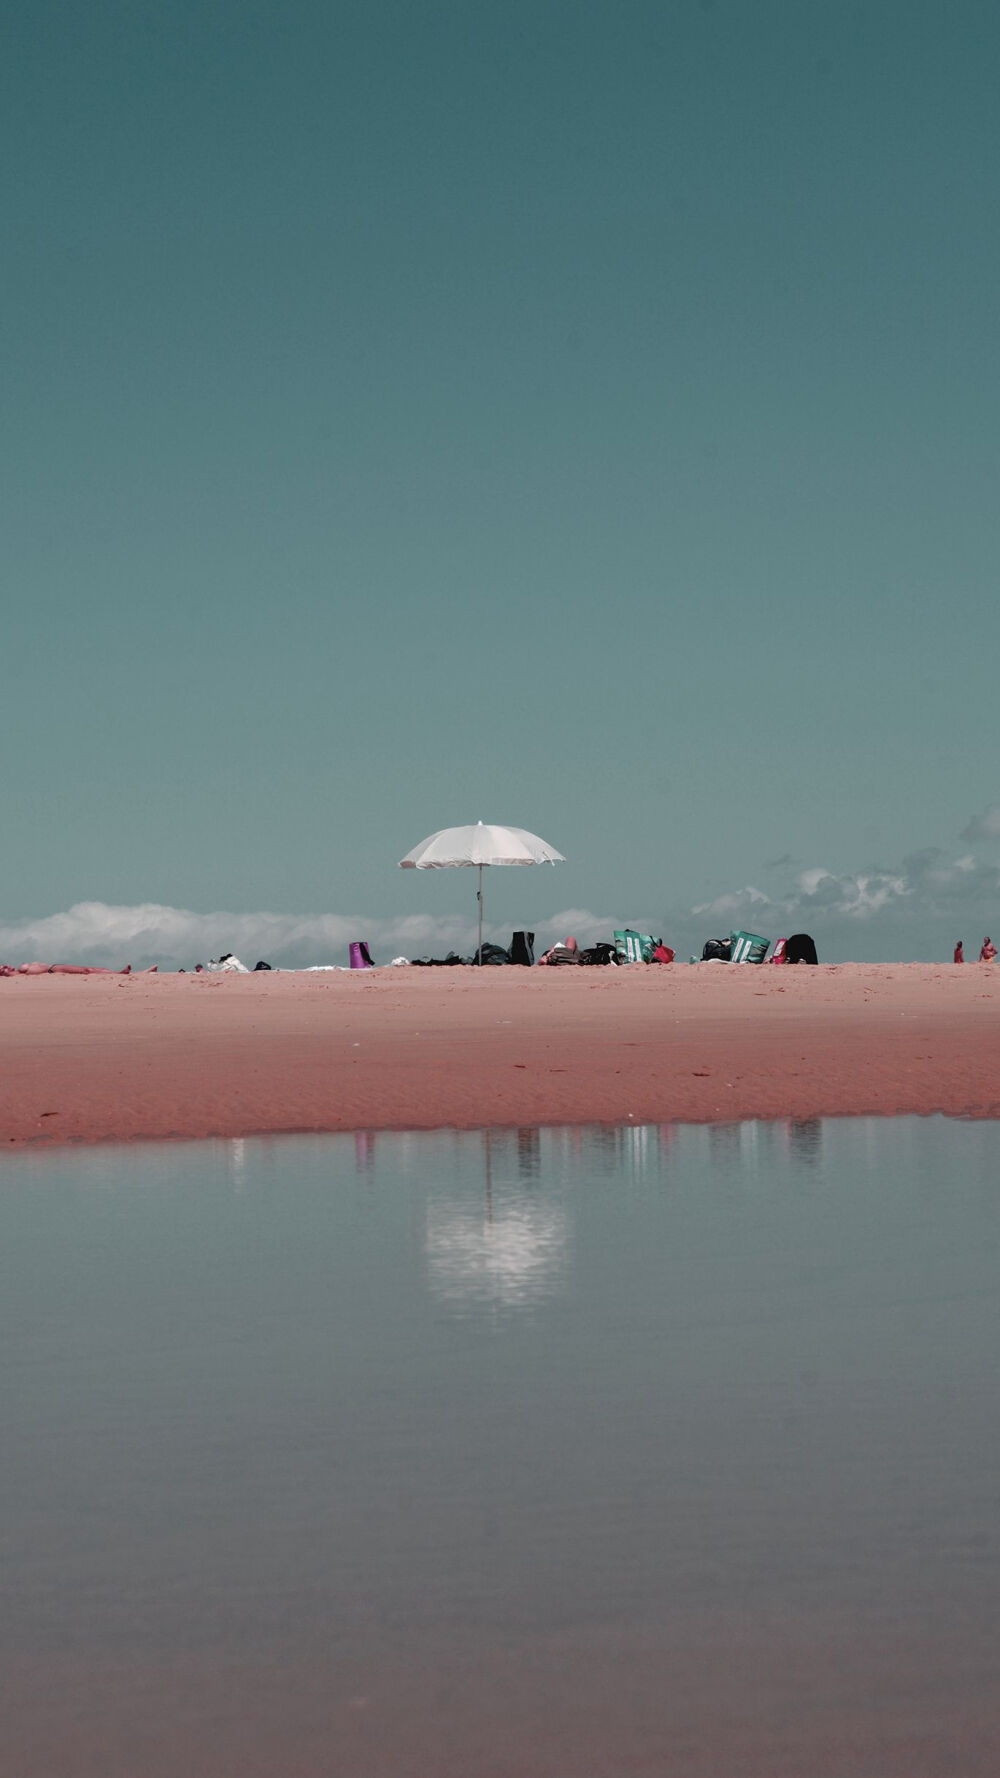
{"x": 748, "y": 947}
{"x": 634, "y": 947}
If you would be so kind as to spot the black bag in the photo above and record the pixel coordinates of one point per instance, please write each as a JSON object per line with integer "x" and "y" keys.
{"x": 491, "y": 954}
{"x": 717, "y": 950}
{"x": 522, "y": 948}
{"x": 599, "y": 954}
{"x": 800, "y": 948}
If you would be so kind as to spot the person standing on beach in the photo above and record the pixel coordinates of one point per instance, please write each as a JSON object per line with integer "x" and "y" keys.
{"x": 988, "y": 951}
{"x": 958, "y": 957}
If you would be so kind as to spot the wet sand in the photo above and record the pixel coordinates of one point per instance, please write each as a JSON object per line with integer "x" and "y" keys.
{"x": 736, "y": 1693}
{"x": 86, "y": 1059}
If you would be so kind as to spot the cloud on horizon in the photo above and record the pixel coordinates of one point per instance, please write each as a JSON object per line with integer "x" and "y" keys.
{"x": 927, "y": 886}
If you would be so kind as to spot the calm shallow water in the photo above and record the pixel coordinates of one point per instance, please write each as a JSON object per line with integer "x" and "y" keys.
{"x": 561, "y": 1453}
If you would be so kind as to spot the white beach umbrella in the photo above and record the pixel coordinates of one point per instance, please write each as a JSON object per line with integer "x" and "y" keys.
{"x": 480, "y": 845}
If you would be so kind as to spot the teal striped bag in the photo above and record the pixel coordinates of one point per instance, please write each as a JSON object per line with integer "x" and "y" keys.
{"x": 747, "y": 947}
{"x": 634, "y": 947}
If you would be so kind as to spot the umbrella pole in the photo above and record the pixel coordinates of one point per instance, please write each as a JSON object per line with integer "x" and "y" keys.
{"x": 479, "y": 898}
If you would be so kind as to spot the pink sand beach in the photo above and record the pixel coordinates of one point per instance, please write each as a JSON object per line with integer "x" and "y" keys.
{"x": 87, "y": 1059}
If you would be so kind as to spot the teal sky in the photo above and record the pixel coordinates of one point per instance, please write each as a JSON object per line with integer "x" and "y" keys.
{"x": 580, "y": 416}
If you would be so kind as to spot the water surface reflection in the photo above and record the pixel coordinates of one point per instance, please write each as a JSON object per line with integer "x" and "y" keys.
{"x": 509, "y": 1248}
{"x": 507, "y": 1453}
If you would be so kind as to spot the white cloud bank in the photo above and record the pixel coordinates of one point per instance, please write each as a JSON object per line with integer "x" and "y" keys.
{"x": 917, "y": 908}
{"x": 817, "y": 890}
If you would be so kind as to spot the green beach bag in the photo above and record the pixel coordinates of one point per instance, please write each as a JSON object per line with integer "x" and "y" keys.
{"x": 747, "y": 947}
{"x": 634, "y": 947}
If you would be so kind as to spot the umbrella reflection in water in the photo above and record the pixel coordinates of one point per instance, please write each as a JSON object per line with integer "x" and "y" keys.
{"x": 512, "y": 1249}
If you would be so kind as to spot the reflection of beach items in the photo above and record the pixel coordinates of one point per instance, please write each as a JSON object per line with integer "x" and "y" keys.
{"x": 237, "y": 1157}
{"x": 513, "y": 1257}
{"x": 800, "y": 948}
{"x": 479, "y": 846}
{"x": 747, "y": 947}
{"x": 805, "y": 1139}
{"x": 513, "y": 1251}
{"x": 360, "y": 956}
{"x": 529, "y": 1153}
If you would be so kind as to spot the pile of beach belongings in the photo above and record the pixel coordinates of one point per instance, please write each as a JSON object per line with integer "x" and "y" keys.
{"x": 739, "y": 947}
{"x": 641, "y": 947}
{"x": 521, "y": 951}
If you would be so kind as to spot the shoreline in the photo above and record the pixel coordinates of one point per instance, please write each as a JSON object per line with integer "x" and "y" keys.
{"x": 129, "y": 1058}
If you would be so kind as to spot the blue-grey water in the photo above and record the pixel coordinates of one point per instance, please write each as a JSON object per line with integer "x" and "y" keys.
{"x": 558, "y": 1454}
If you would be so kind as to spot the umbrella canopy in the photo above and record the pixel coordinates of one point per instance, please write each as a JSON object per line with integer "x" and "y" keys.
{"x": 478, "y": 846}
